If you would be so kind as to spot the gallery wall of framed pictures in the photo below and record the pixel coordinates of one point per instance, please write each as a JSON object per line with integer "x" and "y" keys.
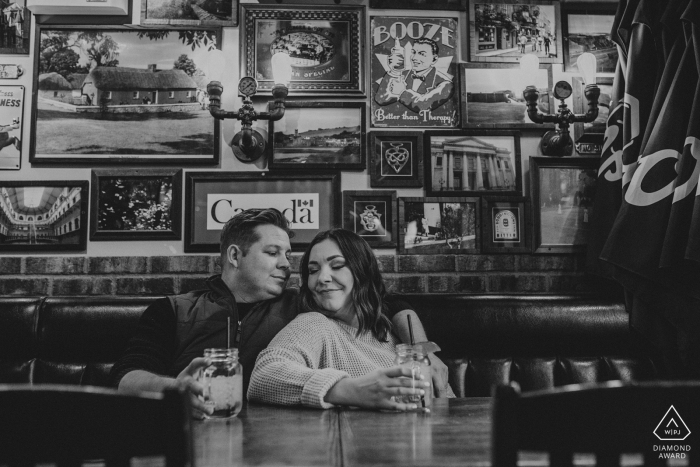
{"x": 405, "y": 120}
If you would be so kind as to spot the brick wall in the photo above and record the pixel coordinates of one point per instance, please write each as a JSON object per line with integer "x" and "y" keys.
{"x": 158, "y": 275}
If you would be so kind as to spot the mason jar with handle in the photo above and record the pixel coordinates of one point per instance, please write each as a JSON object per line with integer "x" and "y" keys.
{"x": 223, "y": 383}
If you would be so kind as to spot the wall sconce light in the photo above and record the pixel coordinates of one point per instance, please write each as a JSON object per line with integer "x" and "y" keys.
{"x": 248, "y": 144}
{"x": 558, "y": 142}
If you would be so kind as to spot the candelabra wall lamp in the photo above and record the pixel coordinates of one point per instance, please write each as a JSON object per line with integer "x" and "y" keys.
{"x": 248, "y": 144}
{"x": 558, "y": 142}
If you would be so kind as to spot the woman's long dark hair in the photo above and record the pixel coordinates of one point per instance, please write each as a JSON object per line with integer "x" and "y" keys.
{"x": 368, "y": 292}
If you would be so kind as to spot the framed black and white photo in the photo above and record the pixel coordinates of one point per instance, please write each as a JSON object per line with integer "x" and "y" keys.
{"x": 43, "y": 215}
{"x": 563, "y": 191}
{"x": 396, "y": 159}
{"x": 429, "y": 226}
{"x": 502, "y": 31}
{"x": 589, "y": 136}
{"x": 319, "y": 135}
{"x": 310, "y": 202}
{"x": 586, "y": 27}
{"x": 372, "y": 216}
{"x": 324, "y": 42}
{"x": 11, "y": 126}
{"x": 472, "y": 162}
{"x": 456, "y": 5}
{"x": 15, "y": 27}
{"x": 123, "y": 96}
{"x": 188, "y": 13}
{"x": 505, "y": 224}
{"x": 492, "y": 95}
{"x": 136, "y": 204}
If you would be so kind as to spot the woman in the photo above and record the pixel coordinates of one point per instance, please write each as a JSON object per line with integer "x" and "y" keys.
{"x": 341, "y": 351}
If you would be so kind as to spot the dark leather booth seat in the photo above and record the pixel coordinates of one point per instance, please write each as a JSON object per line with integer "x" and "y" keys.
{"x": 538, "y": 341}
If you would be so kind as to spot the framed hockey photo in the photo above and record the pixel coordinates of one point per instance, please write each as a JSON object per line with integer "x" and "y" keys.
{"x": 396, "y": 159}
{"x": 372, "y": 216}
{"x": 505, "y": 224}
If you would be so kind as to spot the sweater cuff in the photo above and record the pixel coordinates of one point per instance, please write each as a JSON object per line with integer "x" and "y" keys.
{"x": 318, "y": 386}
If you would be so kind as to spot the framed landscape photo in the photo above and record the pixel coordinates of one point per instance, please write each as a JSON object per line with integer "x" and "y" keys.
{"x": 472, "y": 162}
{"x": 43, "y": 215}
{"x": 502, "y": 31}
{"x": 414, "y": 71}
{"x": 506, "y": 224}
{"x": 371, "y": 215}
{"x": 324, "y": 42}
{"x": 430, "y": 226}
{"x": 136, "y": 204}
{"x": 122, "y": 96}
{"x": 589, "y": 136}
{"x": 396, "y": 159}
{"x": 586, "y": 28}
{"x": 310, "y": 202}
{"x": 319, "y": 135}
{"x": 11, "y": 126}
{"x": 15, "y": 27}
{"x": 457, "y": 5}
{"x": 189, "y": 13}
{"x": 563, "y": 190}
{"x": 492, "y": 95}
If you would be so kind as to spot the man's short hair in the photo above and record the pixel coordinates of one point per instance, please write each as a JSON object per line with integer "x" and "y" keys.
{"x": 432, "y": 43}
{"x": 240, "y": 229}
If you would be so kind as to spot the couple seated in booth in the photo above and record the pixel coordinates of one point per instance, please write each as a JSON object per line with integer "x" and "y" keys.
{"x": 334, "y": 342}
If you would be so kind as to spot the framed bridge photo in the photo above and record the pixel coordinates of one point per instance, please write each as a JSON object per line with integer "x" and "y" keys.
{"x": 115, "y": 95}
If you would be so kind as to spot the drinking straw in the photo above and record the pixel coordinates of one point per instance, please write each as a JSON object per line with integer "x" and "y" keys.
{"x": 228, "y": 332}
{"x": 410, "y": 329}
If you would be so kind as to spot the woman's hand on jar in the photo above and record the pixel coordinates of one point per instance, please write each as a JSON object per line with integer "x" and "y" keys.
{"x": 376, "y": 389}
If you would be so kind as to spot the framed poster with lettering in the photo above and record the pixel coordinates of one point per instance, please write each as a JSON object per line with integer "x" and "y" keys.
{"x": 414, "y": 72}
{"x": 324, "y": 43}
{"x": 11, "y": 122}
{"x": 506, "y": 224}
{"x": 396, "y": 159}
{"x": 310, "y": 202}
{"x": 371, "y": 215}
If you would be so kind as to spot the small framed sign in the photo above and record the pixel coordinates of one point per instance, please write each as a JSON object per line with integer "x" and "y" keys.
{"x": 396, "y": 159}
{"x": 506, "y": 224}
{"x": 372, "y": 216}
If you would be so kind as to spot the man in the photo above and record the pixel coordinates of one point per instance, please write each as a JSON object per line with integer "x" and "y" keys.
{"x": 522, "y": 41}
{"x": 421, "y": 88}
{"x": 248, "y": 303}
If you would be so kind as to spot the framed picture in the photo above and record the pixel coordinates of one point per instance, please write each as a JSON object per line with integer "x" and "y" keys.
{"x": 142, "y": 204}
{"x": 14, "y": 27}
{"x": 372, "y": 216}
{"x": 324, "y": 42}
{"x": 414, "y": 71}
{"x": 122, "y": 96}
{"x": 201, "y": 13}
{"x": 43, "y": 215}
{"x": 506, "y": 224}
{"x": 586, "y": 28}
{"x": 397, "y": 159}
{"x": 311, "y": 203}
{"x": 319, "y": 135}
{"x": 457, "y": 5}
{"x": 472, "y": 162}
{"x": 502, "y": 31}
{"x": 563, "y": 190}
{"x": 492, "y": 95}
{"x": 429, "y": 226}
{"x": 589, "y": 137}
{"x": 11, "y": 125}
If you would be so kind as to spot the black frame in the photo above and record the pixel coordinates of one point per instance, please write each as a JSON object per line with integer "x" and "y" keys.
{"x": 350, "y": 197}
{"x": 592, "y": 144}
{"x": 592, "y": 9}
{"x": 84, "y": 186}
{"x": 439, "y": 250}
{"x": 213, "y": 23}
{"x": 235, "y": 180}
{"x": 489, "y": 244}
{"x": 427, "y": 163}
{"x": 541, "y": 162}
{"x": 360, "y": 165}
{"x": 175, "y": 233}
{"x": 495, "y": 59}
{"x": 97, "y": 159}
{"x": 529, "y": 124}
{"x": 354, "y": 15}
{"x": 376, "y": 140}
{"x": 457, "y": 5}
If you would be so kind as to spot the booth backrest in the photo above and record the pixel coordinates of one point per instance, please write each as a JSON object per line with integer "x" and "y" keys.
{"x": 538, "y": 341}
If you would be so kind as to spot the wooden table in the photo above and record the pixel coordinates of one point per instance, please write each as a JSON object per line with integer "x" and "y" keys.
{"x": 457, "y": 432}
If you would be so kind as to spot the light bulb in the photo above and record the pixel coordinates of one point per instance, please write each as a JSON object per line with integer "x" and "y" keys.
{"x": 217, "y": 65}
{"x": 586, "y": 64}
{"x": 281, "y": 68}
{"x": 530, "y": 66}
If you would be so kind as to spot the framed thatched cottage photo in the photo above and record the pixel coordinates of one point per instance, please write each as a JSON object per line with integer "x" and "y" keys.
{"x": 123, "y": 96}
{"x": 15, "y": 23}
